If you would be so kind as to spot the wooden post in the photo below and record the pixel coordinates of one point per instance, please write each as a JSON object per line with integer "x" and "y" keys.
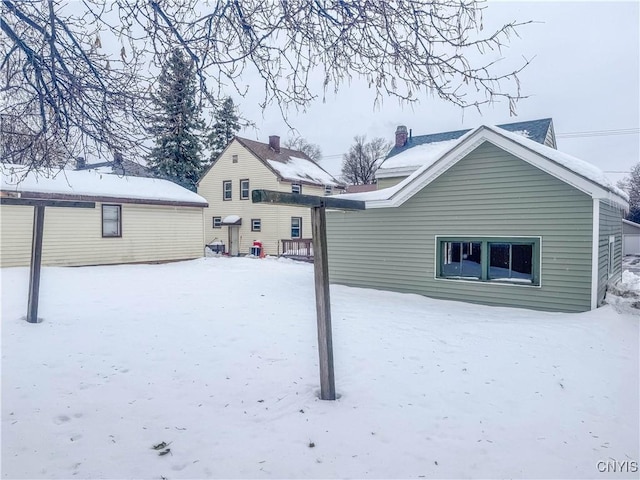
{"x": 36, "y": 260}
{"x": 323, "y": 304}
{"x": 320, "y": 269}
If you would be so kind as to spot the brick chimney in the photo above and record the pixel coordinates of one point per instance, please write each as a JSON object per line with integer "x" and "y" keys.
{"x": 401, "y": 136}
{"x": 274, "y": 143}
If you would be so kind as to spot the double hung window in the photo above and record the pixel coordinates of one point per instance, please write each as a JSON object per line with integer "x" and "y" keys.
{"x": 226, "y": 189}
{"x": 111, "y": 221}
{"x": 296, "y": 227}
{"x": 244, "y": 189}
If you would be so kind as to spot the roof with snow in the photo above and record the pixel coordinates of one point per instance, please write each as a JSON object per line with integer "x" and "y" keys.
{"x": 536, "y": 130}
{"x": 577, "y": 173}
{"x": 291, "y": 165}
{"x": 95, "y": 186}
{"x": 121, "y": 167}
{"x": 418, "y": 150}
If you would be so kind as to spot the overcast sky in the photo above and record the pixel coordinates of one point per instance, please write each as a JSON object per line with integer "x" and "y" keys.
{"x": 585, "y": 75}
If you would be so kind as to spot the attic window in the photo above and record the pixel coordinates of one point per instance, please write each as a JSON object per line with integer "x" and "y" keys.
{"x": 234, "y": 158}
{"x": 296, "y": 188}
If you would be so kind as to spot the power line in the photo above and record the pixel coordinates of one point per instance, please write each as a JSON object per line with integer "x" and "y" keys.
{"x": 599, "y": 133}
{"x": 587, "y": 133}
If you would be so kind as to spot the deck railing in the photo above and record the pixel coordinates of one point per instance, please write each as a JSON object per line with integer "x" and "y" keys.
{"x": 299, "y": 248}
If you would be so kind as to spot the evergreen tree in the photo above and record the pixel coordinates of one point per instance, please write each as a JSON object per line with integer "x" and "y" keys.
{"x": 177, "y": 123}
{"x": 224, "y": 129}
{"x": 631, "y": 185}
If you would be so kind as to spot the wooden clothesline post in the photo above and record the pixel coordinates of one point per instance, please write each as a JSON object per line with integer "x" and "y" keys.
{"x": 318, "y": 207}
{"x": 36, "y": 243}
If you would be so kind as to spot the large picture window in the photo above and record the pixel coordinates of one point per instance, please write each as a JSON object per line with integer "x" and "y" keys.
{"x": 111, "y": 221}
{"x": 507, "y": 260}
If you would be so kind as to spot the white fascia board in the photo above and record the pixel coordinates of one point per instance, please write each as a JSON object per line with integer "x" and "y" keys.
{"x": 428, "y": 175}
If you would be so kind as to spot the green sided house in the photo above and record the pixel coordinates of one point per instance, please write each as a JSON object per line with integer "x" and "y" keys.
{"x": 496, "y": 218}
{"x": 135, "y": 219}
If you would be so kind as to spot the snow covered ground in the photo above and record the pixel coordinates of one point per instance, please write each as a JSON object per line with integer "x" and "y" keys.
{"x": 217, "y": 358}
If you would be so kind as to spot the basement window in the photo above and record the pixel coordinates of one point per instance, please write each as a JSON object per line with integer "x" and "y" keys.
{"x": 111, "y": 221}
{"x": 497, "y": 260}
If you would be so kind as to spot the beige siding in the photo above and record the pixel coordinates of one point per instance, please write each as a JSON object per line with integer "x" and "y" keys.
{"x": 489, "y": 193}
{"x": 73, "y": 236}
{"x": 276, "y": 220}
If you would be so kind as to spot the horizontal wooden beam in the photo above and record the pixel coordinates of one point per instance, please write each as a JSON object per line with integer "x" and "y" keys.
{"x": 39, "y": 202}
{"x": 299, "y": 200}
{"x": 104, "y": 199}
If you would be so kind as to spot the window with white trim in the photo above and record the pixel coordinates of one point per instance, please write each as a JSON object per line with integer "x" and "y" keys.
{"x": 217, "y": 222}
{"x": 296, "y": 188}
{"x": 328, "y": 189}
{"x": 256, "y": 224}
{"x": 500, "y": 260}
{"x": 234, "y": 158}
{"x": 244, "y": 189}
{"x": 111, "y": 220}
{"x": 226, "y": 190}
{"x": 296, "y": 227}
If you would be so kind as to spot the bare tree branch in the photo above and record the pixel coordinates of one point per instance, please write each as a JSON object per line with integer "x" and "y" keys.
{"x": 79, "y": 73}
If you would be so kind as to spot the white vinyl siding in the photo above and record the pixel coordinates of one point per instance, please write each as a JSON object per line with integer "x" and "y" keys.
{"x": 275, "y": 220}
{"x": 73, "y": 236}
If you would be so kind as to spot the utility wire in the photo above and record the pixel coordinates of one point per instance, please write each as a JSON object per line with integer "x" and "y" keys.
{"x": 599, "y": 133}
{"x": 588, "y": 133}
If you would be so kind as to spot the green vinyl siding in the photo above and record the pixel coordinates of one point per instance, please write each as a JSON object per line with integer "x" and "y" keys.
{"x": 610, "y": 225}
{"x": 489, "y": 193}
{"x": 389, "y": 182}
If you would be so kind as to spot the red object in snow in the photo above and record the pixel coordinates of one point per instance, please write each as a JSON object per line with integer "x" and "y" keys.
{"x": 258, "y": 244}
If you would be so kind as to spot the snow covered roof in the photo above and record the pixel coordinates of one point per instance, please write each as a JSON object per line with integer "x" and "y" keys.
{"x": 291, "y": 165}
{"x": 578, "y": 173}
{"x": 535, "y": 130}
{"x": 82, "y": 184}
{"x": 232, "y": 220}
